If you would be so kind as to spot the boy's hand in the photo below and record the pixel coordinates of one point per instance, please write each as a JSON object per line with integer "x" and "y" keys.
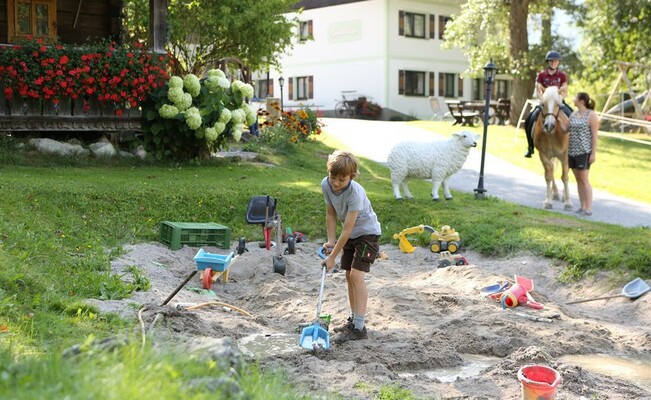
{"x": 329, "y": 263}
{"x": 327, "y": 247}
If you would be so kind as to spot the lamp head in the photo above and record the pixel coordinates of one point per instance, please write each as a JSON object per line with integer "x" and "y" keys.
{"x": 489, "y": 71}
{"x": 281, "y": 81}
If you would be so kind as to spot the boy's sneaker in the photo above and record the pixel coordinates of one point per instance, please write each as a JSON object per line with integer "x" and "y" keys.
{"x": 351, "y": 334}
{"x": 344, "y": 327}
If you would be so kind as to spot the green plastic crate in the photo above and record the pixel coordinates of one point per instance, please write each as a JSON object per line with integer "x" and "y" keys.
{"x": 176, "y": 234}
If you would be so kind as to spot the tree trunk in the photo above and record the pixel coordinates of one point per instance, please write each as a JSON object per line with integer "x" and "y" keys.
{"x": 518, "y": 48}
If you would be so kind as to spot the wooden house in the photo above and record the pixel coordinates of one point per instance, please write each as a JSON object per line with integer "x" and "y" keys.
{"x": 72, "y": 22}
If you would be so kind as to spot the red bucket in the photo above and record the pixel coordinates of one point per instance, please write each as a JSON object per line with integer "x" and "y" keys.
{"x": 538, "y": 382}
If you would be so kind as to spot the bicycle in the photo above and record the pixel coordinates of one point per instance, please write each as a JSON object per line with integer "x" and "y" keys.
{"x": 345, "y": 108}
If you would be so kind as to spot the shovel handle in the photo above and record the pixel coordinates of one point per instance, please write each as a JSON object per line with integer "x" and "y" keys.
{"x": 595, "y": 298}
{"x": 318, "y": 306}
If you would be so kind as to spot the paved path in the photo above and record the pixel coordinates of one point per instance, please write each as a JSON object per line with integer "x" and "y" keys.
{"x": 374, "y": 139}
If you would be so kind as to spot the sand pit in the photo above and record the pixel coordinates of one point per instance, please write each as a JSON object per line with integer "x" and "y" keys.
{"x": 430, "y": 330}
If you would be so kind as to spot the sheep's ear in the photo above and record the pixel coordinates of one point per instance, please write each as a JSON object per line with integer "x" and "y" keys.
{"x": 457, "y": 134}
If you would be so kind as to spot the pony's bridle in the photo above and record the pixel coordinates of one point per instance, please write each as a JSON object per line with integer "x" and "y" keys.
{"x": 553, "y": 115}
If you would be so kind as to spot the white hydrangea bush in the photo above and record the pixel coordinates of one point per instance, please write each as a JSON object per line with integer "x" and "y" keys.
{"x": 202, "y": 114}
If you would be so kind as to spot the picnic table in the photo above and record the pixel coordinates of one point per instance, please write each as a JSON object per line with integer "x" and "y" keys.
{"x": 469, "y": 113}
{"x": 462, "y": 112}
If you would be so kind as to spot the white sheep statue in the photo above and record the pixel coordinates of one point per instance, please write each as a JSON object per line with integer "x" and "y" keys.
{"x": 437, "y": 160}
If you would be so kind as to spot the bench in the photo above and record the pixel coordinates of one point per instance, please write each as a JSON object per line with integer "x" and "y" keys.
{"x": 503, "y": 111}
{"x": 462, "y": 116}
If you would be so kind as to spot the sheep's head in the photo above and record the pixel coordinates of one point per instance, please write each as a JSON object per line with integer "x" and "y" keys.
{"x": 467, "y": 138}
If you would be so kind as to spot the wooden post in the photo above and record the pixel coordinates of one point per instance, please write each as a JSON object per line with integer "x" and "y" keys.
{"x": 158, "y": 25}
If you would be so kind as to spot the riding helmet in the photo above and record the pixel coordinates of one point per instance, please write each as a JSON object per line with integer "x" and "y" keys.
{"x": 553, "y": 55}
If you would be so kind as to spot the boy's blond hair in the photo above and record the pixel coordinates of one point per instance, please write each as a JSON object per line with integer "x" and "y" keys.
{"x": 342, "y": 163}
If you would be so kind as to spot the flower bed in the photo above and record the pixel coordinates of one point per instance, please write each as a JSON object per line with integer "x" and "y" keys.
{"x": 119, "y": 78}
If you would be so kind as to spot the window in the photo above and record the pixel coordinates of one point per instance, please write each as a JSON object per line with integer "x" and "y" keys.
{"x": 443, "y": 21}
{"x": 447, "y": 86}
{"x": 36, "y": 18}
{"x": 305, "y": 31}
{"x": 414, "y": 25}
{"x": 500, "y": 90}
{"x": 411, "y": 83}
{"x": 263, "y": 88}
{"x": 301, "y": 88}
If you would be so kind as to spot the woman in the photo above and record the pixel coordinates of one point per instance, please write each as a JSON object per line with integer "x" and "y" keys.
{"x": 583, "y": 128}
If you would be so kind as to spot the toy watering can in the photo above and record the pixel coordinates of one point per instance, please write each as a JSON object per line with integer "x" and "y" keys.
{"x": 518, "y": 294}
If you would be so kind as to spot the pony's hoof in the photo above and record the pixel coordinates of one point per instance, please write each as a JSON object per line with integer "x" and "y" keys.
{"x": 556, "y": 197}
{"x": 548, "y": 206}
{"x": 568, "y": 207}
{"x": 436, "y": 199}
{"x": 399, "y": 199}
{"x": 448, "y": 198}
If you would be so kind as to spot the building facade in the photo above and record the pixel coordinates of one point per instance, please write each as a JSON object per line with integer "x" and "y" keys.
{"x": 389, "y": 51}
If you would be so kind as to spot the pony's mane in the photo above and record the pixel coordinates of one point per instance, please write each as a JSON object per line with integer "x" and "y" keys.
{"x": 551, "y": 94}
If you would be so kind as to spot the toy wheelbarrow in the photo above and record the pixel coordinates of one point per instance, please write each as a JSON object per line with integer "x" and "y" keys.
{"x": 215, "y": 266}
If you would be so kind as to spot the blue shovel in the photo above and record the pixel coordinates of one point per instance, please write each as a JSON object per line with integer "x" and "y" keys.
{"x": 315, "y": 336}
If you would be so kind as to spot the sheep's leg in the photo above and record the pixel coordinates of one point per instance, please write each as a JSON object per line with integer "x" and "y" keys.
{"x": 566, "y": 188}
{"x": 396, "y": 190}
{"x": 405, "y": 188}
{"x": 446, "y": 189}
{"x": 436, "y": 184}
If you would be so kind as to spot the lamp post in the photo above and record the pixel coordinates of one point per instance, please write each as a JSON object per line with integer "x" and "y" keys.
{"x": 281, "y": 82}
{"x": 489, "y": 73}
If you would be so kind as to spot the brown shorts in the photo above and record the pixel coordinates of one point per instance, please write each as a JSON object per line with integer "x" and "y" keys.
{"x": 360, "y": 252}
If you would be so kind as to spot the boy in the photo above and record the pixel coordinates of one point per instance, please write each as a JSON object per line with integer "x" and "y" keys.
{"x": 346, "y": 201}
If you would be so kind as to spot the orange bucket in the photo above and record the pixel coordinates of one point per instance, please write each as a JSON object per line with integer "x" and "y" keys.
{"x": 538, "y": 382}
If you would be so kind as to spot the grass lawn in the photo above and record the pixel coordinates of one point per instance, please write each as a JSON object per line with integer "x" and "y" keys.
{"x": 621, "y": 164}
{"x": 63, "y": 220}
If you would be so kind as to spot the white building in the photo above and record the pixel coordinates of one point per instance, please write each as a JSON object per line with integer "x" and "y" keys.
{"x": 387, "y": 50}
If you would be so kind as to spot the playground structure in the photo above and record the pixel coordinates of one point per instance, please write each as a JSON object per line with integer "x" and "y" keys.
{"x": 639, "y": 117}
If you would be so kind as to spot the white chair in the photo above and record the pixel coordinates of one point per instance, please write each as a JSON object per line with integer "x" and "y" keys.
{"x": 438, "y": 112}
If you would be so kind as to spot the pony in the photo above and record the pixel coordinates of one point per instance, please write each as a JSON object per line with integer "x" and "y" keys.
{"x": 551, "y": 139}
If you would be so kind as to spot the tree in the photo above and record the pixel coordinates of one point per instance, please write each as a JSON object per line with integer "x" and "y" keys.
{"x": 497, "y": 30}
{"x": 615, "y": 30}
{"x": 203, "y": 32}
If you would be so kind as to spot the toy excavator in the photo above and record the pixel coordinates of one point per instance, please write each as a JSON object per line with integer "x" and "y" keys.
{"x": 404, "y": 244}
{"x": 446, "y": 240}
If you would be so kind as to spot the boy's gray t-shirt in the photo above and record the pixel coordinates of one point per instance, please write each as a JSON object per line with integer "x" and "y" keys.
{"x": 353, "y": 198}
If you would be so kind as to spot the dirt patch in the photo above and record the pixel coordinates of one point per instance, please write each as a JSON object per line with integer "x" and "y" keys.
{"x": 421, "y": 319}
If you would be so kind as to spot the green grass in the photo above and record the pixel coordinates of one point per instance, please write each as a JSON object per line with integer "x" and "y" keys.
{"x": 63, "y": 220}
{"x": 620, "y": 167}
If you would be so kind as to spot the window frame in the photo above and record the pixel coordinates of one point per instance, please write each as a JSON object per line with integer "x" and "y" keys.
{"x": 302, "y": 88}
{"x": 12, "y": 19}
{"x": 411, "y": 91}
{"x": 410, "y": 24}
{"x": 304, "y": 30}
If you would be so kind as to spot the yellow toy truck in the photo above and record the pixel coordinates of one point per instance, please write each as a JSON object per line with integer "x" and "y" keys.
{"x": 446, "y": 240}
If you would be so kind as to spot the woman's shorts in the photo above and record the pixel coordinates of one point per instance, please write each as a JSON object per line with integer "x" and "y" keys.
{"x": 579, "y": 162}
{"x": 360, "y": 252}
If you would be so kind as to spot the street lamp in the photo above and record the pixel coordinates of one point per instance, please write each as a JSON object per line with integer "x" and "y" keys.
{"x": 281, "y": 82}
{"x": 489, "y": 73}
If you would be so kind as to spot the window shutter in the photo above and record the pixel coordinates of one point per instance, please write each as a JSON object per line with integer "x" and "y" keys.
{"x": 431, "y": 83}
{"x": 401, "y": 23}
{"x": 310, "y": 83}
{"x": 460, "y": 86}
{"x": 290, "y": 87}
{"x": 441, "y": 26}
{"x": 271, "y": 88}
{"x": 441, "y": 84}
{"x": 310, "y": 29}
{"x": 401, "y": 82}
{"x": 432, "y": 26}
